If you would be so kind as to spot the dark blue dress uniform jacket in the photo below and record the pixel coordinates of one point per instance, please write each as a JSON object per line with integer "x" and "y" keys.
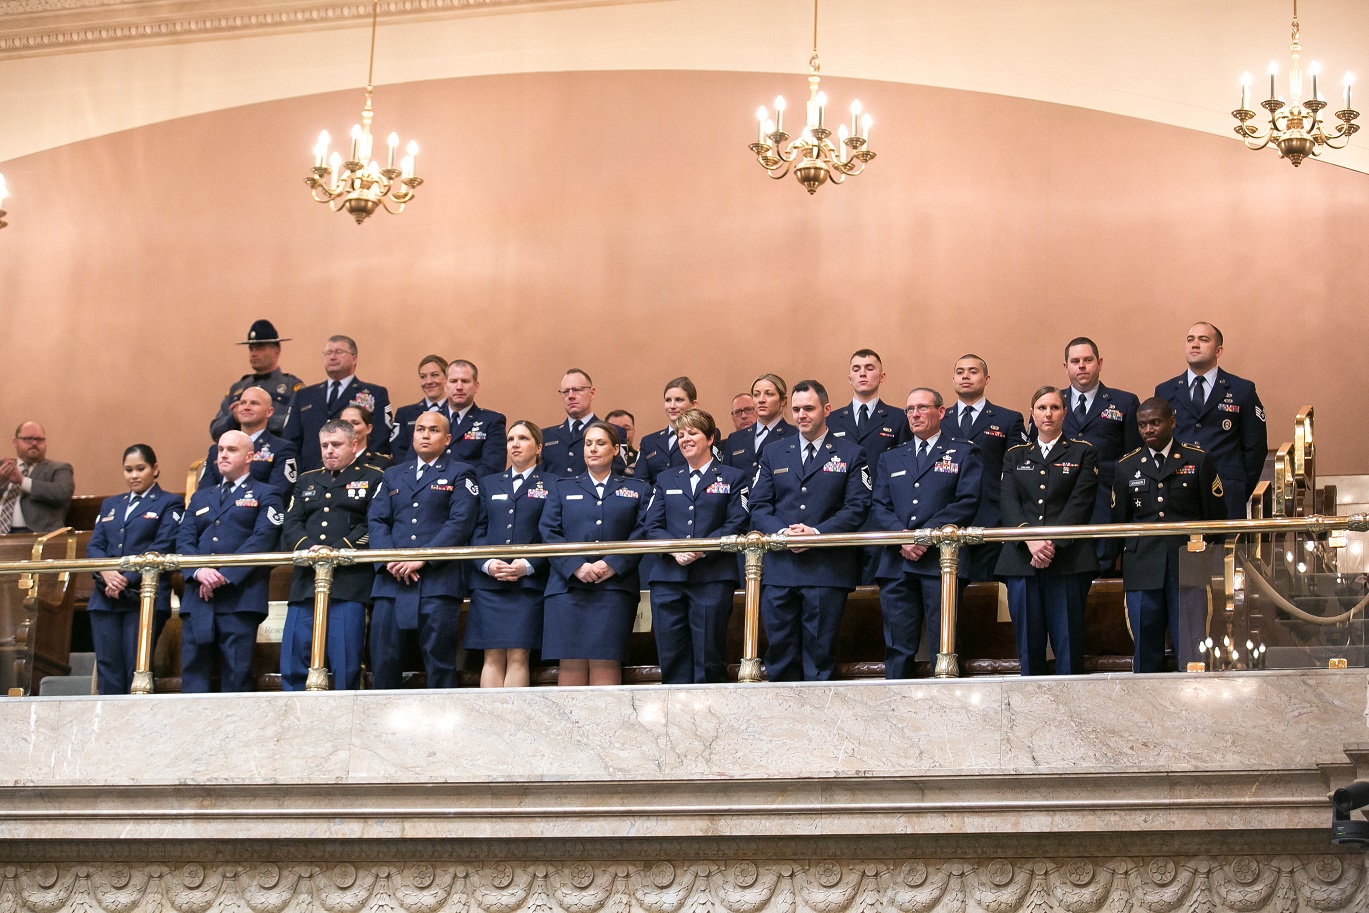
{"x": 1110, "y": 427}
{"x": 248, "y": 522}
{"x": 830, "y": 494}
{"x": 563, "y": 454}
{"x": 656, "y": 455}
{"x": 1188, "y": 487}
{"x": 573, "y": 513}
{"x": 310, "y": 411}
{"x": 281, "y": 386}
{"x": 739, "y": 449}
{"x": 718, "y": 507}
{"x": 330, "y": 509}
{"x": 152, "y": 527}
{"x": 1059, "y": 490}
{"x": 437, "y": 512}
{"x": 995, "y": 429}
{"x": 402, "y": 435}
{"x": 886, "y": 428}
{"x": 509, "y": 519}
{"x": 946, "y": 490}
{"x": 274, "y": 462}
{"x": 1229, "y": 427}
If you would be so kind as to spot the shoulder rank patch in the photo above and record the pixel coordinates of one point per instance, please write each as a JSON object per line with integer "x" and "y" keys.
{"x": 1217, "y": 486}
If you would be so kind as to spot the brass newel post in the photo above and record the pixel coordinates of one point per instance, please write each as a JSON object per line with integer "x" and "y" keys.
{"x": 323, "y": 561}
{"x": 151, "y": 567}
{"x": 753, "y": 545}
{"x": 949, "y": 540}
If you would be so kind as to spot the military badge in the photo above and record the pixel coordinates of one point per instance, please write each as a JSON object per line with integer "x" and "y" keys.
{"x": 718, "y": 488}
{"x": 275, "y": 517}
{"x": 365, "y": 399}
{"x": 472, "y": 487}
{"x": 626, "y": 493}
{"x": 835, "y": 464}
{"x": 1226, "y": 424}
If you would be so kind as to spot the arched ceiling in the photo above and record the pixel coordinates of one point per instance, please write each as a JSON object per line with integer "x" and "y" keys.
{"x": 74, "y": 69}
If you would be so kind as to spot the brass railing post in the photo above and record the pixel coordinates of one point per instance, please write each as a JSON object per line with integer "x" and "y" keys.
{"x": 753, "y": 547}
{"x": 151, "y": 567}
{"x": 323, "y": 560}
{"x": 950, "y": 538}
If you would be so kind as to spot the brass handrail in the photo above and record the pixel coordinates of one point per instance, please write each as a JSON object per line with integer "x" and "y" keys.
{"x": 948, "y": 539}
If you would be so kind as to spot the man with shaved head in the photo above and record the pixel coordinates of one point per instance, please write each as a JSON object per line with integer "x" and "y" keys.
{"x": 273, "y": 457}
{"x": 35, "y": 492}
{"x": 222, "y": 607}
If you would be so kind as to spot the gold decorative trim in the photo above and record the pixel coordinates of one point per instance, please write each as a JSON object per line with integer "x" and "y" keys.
{"x": 38, "y": 27}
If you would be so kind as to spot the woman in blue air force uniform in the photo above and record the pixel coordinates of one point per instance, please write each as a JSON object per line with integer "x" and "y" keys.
{"x": 592, "y": 600}
{"x": 1051, "y": 482}
{"x": 691, "y": 592}
{"x": 144, "y": 520}
{"x": 506, "y": 596}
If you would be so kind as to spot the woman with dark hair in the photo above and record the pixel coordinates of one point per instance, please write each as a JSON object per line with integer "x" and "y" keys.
{"x": 359, "y": 418}
{"x": 1052, "y": 482}
{"x": 592, "y": 600}
{"x": 505, "y": 619}
{"x": 743, "y": 448}
{"x": 144, "y": 520}
{"x": 691, "y": 592}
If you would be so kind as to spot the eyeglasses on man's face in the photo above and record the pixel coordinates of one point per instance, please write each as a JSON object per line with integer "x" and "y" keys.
{"x": 567, "y": 391}
{"x": 32, "y": 440}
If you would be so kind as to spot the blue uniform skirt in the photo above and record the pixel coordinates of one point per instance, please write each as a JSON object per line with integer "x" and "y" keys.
{"x": 589, "y": 624}
{"x": 504, "y": 619}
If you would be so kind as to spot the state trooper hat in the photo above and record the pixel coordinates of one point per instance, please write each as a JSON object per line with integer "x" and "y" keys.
{"x": 262, "y": 331}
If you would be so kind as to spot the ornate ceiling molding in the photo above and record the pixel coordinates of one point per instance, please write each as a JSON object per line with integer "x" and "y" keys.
{"x": 37, "y": 27}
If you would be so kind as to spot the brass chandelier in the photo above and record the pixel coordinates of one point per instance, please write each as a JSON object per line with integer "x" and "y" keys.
{"x": 1299, "y": 131}
{"x": 361, "y": 185}
{"x": 813, "y": 157}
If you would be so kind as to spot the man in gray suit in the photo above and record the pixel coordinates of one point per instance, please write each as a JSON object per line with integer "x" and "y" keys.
{"x": 35, "y": 492}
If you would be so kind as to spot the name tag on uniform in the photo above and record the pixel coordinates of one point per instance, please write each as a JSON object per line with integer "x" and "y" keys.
{"x": 739, "y": 452}
{"x": 895, "y": 475}
{"x": 575, "y": 497}
{"x": 838, "y": 434}
{"x": 1138, "y": 484}
{"x": 202, "y": 510}
{"x": 781, "y": 469}
{"x": 674, "y": 491}
{"x": 649, "y": 455}
{"x": 499, "y": 497}
{"x": 625, "y": 493}
{"x": 551, "y": 443}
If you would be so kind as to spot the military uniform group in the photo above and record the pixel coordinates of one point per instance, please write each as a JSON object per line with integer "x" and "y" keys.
{"x": 295, "y": 466}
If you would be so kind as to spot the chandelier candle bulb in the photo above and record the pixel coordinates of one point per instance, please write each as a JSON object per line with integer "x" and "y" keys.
{"x": 865, "y": 123}
{"x": 393, "y": 143}
{"x": 762, "y": 117}
{"x": 1314, "y": 69}
{"x": 1273, "y": 76}
{"x": 1245, "y": 91}
{"x": 822, "y": 106}
{"x": 335, "y": 162}
{"x": 855, "y": 117}
{"x": 779, "y": 113}
{"x": 842, "y": 135}
{"x": 413, "y": 157}
{"x": 1348, "y": 82}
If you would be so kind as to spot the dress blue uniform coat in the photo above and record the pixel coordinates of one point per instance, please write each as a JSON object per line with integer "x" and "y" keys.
{"x": 402, "y": 435}
{"x": 478, "y": 440}
{"x": 273, "y": 462}
{"x": 691, "y": 604}
{"x": 1110, "y": 426}
{"x": 280, "y": 385}
{"x": 995, "y": 429}
{"x": 1056, "y": 490}
{"x": 329, "y": 509}
{"x": 508, "y": 615}
{"x": 944, "y": 487}
{"x": 1163, "y": 582}
{"x": 247, "y": 522}
{"x": 656, "y": 455}
{"x": 592, "y": 620}
{"x": 151, "y": 527}
{"x": 739, "y": 449}
{"x": 563, "y": 453}
{"x": 1229, "y": 426}
{"x": 438, "y": 511}
{"x": 803, "y": 595}
{"x": 311, "y": 410}
{"x": 886, "y": 427}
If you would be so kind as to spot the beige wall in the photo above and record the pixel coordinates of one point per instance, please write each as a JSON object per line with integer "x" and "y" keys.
{"x": 617, "y": 221}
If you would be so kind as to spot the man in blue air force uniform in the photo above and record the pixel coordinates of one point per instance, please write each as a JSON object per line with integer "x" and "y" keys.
{"x": 926, "y": 483}
{"x": 1221, "y": 414}
{"x": 431, "y": 501}
{"x": 477, "y": 434}
{"x": 807, "y": 484}
{"x": 563, "y": 445}
{"x": 320, "y": 403}
{"x": 222, "y": 607}
{"x": 273, "y": 458}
